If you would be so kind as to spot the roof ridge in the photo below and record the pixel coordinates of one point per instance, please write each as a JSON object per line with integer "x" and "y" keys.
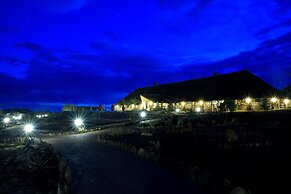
{"x": 202, "y": 78}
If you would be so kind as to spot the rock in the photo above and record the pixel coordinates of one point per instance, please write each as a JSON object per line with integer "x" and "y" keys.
{"x": 68, "y": 175}
{"x": 231, "y": 135}
{"x": 239, "y": 190}
{"x": 140, "y": 152}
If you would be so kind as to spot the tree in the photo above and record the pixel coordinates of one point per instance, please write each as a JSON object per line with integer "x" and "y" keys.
{"x": 264, "y": 103}
{"x": 228, "y": 104}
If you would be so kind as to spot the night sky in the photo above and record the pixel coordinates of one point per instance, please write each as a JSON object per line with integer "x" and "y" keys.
{"x": 87, "y": 52}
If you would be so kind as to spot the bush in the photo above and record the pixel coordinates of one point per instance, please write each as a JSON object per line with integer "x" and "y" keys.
{"x": 228, "y": 104}
{"x": 264, "y": 104}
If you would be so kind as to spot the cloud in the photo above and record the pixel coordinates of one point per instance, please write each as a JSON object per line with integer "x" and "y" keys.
{"x": 282, "y": 24}
{"x": 13, "y": 60}
{"x": 42, "y": 53}
{"x": 111, "y": 36}
{"x": 13, "y": 67}
{"x": 8, "y": 29}
{"x": 201, "y": 5}
{"x": 56, "y": 6}
{"x": 270, "y": 60}
{"x": 64, "y": 6}
{"x": 284, "y": 6}
{"x": 30, "y": 46}
{"x": 85, "y": 78}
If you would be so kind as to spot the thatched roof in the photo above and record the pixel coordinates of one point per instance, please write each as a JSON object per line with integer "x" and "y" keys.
{"x": 235, "y": 85}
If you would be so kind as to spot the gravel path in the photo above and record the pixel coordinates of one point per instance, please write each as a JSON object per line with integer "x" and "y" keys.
{"x": 105, "y": 169}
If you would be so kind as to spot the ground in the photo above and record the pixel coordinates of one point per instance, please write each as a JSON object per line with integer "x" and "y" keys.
{"x": 181, "y": 153}
{"x": 103, "y": 168}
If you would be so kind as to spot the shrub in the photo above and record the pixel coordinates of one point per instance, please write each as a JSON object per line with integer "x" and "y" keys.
{"x": 264, "y": 104}
{"x": 228, "y": 104}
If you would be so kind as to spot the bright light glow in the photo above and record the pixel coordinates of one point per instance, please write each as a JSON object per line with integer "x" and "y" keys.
{"x": 183, "y": 103}
{"x": 19, "y": 117}
{"x": 6, "y": 120}
{"x": 78, "y": 122}
{"x": 198, "y": 109}
{"x": 248, "y": 100}
{"x": 28, "y": 128}
{"x": 177, "y": 110}
{"x": 143, "y": 114}
{"x": 286, "y": 101}
{"x": 200, "y": 102}
{"x": 274, "y": 99}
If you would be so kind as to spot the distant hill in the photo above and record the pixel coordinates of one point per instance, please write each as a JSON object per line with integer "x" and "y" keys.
{"x": 19, "y": 110}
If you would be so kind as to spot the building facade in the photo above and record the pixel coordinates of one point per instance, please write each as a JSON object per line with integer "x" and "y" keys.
{"x": 242, "y": 89}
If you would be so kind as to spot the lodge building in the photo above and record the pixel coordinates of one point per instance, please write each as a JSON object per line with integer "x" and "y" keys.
{"x": 206, "y": 94}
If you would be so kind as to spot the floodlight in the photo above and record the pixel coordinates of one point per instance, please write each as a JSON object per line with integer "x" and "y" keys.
{"x": 6, "y": 120}
{"x": 286, "y": 101}
{"x": 78, "y": 122}
{"x": 248, "y": 100}
{"x": 274, "y": 99}
{"x": 143, "y": 114}
{"x": 28, "y": 128}
{"x": 19, "y": 117}
{"x": 198, "y": 109}
{"x": 177, "y": 110}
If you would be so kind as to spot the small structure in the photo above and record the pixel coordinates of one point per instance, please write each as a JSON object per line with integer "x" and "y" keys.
{"x": 72, "y": 108}
{"x": 205, "y": 94}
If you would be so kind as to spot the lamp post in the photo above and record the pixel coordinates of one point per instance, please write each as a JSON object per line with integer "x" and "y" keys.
{"x": 198, "y": 109}
{"x": 286, "y": 102}
{"x": 28, "y": 128}
{"x": 274, "y": 102}
{"x": 6, "y": 121}
{"x": 249, "y": 101}
{"x": 79, "y": 123}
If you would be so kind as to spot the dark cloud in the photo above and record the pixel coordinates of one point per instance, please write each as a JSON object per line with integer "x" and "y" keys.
{"x": 111, "y": 36}
{"x": 87, "y": 78}
{"x": 45, "y": 54}
{"x": 106, "y": 77}
{"x": 283, "y": 24}
{"x": 202, "y": 4}
{"x": 30, "y": 46}
{"x": 12, "y": 60}
{"x": 99, "y": 46}
{"x": 171, "y": 4}
{"x": 284, "y": 2}
{"x": 65, "y": 5}
{"x": 284, "y": 40}
{"x": 284, "y": 6}
{"x": 8, "y": 29}
{"x": 271, "y": 60}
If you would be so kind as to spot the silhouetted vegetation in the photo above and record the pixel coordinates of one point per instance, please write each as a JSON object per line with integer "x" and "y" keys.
{"x": 228, "y": 105}
{"x": 221, "y": 151}
{"x": 31, "y": 166}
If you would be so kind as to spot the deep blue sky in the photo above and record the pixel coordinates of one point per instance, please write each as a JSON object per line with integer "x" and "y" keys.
{"x": 96, "y": 51}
